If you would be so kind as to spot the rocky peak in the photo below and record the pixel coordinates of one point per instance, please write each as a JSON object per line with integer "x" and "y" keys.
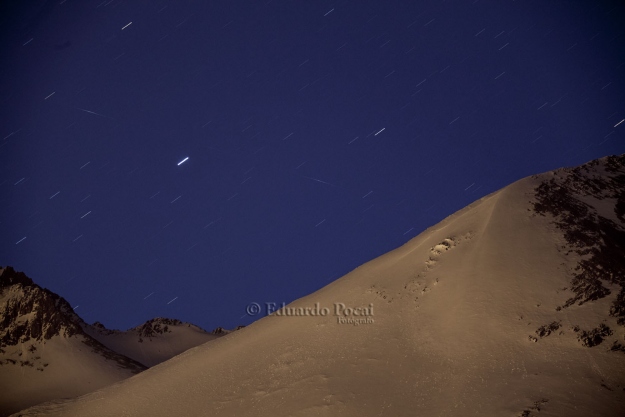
{"x": 156, "y": 326}
{"x": 29, "y": 312}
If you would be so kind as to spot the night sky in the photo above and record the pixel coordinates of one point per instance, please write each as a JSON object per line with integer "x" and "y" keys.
{"x": 319, "y": 135}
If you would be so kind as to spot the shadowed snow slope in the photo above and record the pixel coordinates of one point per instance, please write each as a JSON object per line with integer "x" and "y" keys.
{"x": 473, "y": 317}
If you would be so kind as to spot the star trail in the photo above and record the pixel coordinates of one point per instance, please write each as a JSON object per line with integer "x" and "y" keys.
{"x": 210, "y": 154}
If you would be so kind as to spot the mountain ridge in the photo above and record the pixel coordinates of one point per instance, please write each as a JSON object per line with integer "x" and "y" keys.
{"x": 469, "y": 318}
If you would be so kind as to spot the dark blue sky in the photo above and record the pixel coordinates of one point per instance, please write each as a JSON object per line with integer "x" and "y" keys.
{"x": 320, "y": 134}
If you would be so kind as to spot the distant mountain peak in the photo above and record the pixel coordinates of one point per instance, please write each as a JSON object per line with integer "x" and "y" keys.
{"x": 156, "y": 326}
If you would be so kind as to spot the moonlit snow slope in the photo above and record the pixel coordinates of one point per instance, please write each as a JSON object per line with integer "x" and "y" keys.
{"x": 509, "y": 307}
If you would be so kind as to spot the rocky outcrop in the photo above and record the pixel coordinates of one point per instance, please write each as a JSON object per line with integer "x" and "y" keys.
{"x": 156, "y": 326}
{"x": 598, "y": 237}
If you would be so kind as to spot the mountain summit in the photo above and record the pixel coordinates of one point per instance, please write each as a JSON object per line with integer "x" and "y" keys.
{"x": 512, "y": 306}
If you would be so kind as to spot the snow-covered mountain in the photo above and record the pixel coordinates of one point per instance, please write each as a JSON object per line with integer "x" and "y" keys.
{"x": 44, "y": 353}
{"x": 154, "y": 341}
{"x": 47, "y": 352}
{"x": 513, "y": 306}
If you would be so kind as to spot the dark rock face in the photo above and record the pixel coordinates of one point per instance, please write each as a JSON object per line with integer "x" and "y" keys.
{"x": 599, "y": 240}
{"x": 547, "y": 329}
{"x": 156, "y": 326}
{"x": 594, "y": 337}
{"x": 50, "y": 315}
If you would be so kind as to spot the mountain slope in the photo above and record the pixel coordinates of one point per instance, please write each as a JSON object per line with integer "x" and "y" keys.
{"x": 44, "y": 353}
{"x": 510, "y": 307}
